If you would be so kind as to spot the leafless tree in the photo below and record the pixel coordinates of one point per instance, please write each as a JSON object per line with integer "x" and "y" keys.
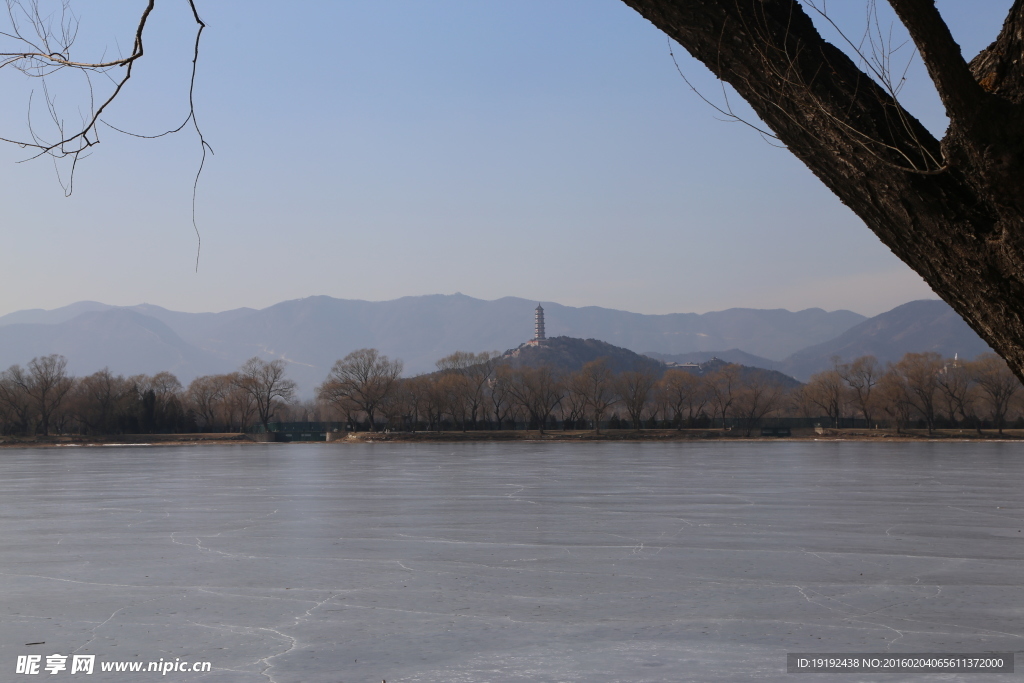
{"x": 596, "y": 384}
{"x": 828, "y": 392}
{"x": 207, "y": 396}
{"x": 165, "y": 387}
{"x": 264, "y": 382}
{"x": 760, "y": 395}
{"x": 895, "y": 398}
{"x": 436, "y": 403}
{"x": 998, "y": 386}
{"x": 365, "y": 378}
{"x": 460, "y": 361}
{"x": 240, "y": 405}
{"x": 722, "y": 386}
{"x": 46, "y": 383}
{"x": 417, "y": 391}
{"x": 158, "y": 402}
{"x": 99, "y": 399}
{"x": 343, "y": 407}
{"x": 454, "y": 391}
{"x": 957, "y": 389}
{"x": 861, "y": 375}
{"x": 499, "y": 392}
{"x": 538, "y": 391}
{"x": 238, "y": 408}
{"x": 476, "y": 370}
{"x": 395, "y": 407}
{"x": 574, "y": 405}
{"x": 919, "y": 373}
{"x": 15, "y": 398}
{"x": 683, "y": 392}
{"x": 634, "y": 389}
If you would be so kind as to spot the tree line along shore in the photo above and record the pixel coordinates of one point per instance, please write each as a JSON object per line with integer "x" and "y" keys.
{"x": 484, "y": 392}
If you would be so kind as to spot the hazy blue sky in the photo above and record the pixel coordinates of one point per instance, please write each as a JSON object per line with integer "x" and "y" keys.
{"x": 379, "y": 148}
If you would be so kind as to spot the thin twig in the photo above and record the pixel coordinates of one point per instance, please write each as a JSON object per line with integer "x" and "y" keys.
{"x": 49, "y": 51}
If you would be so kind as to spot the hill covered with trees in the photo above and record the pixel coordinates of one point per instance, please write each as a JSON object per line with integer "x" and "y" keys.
{"x": 567, "y": 355}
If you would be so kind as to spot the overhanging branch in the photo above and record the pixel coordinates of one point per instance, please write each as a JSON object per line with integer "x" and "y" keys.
{"x": 960, "y": 93}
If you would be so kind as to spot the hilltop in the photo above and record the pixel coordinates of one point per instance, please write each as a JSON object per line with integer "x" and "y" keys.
{"x": 746, "y": 372}
{"x": 731, "y": 356}
{"x": 918, "y": 326}
{"x": 568, "y": 354}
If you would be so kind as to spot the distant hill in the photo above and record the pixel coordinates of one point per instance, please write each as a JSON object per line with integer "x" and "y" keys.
{"x": 127, "y": 342}
{"x": 53, "y": 317}
{"x": 926, "y": 325}
{"x": 314, "y": 332}
{"x": 730, "y": 356}
{"x": 772, "y": 333}
{"x": 713, "y": 365}
{"x": 567, "y": 354}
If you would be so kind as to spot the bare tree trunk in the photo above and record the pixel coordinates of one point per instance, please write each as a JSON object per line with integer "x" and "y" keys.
{"x": 951, "y": 210}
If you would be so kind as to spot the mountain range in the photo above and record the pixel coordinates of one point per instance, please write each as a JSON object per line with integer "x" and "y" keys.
{"x": 918, "y": 326}
{"x": 314, "y": 332}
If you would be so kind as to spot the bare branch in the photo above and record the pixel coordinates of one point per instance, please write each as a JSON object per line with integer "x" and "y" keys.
{"x": 727, "y": 111}
{"x": 50, "y": 51}
{"x": 43, "y": 47}
{"x": 960, "y": 93}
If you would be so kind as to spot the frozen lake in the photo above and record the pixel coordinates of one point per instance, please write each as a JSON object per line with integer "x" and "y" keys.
{"x": 311, "y": 563}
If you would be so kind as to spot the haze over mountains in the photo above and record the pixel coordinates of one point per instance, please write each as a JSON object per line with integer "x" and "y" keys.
{"x": 314, "y": 332}
{"x": 915, "y": 326}
{"x": 918, "y": 326}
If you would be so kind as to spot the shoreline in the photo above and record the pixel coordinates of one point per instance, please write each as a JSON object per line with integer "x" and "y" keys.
{"x": 532, "y": 436}
{"x": 686, "y": 435}
{"x": 123, "y": 440}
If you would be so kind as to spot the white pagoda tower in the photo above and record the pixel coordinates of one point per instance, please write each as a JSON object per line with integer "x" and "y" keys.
{"x": 538, "y": 324}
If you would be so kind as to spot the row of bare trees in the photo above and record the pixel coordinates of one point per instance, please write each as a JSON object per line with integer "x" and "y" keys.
{"x": 474, "y": 391}
{"x": 43, "y": 398}
{"x": 921, "y": 388}
{"x": 481, "y": 391}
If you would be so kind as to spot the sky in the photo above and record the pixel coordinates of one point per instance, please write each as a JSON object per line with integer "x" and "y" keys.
{"x": 373, "y": 149}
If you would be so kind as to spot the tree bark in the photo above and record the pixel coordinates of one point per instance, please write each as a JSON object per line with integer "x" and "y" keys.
{"x": 953, "y": 210}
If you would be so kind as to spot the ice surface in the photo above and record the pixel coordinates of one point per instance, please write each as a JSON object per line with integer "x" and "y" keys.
{"x": 512, "y": 562}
